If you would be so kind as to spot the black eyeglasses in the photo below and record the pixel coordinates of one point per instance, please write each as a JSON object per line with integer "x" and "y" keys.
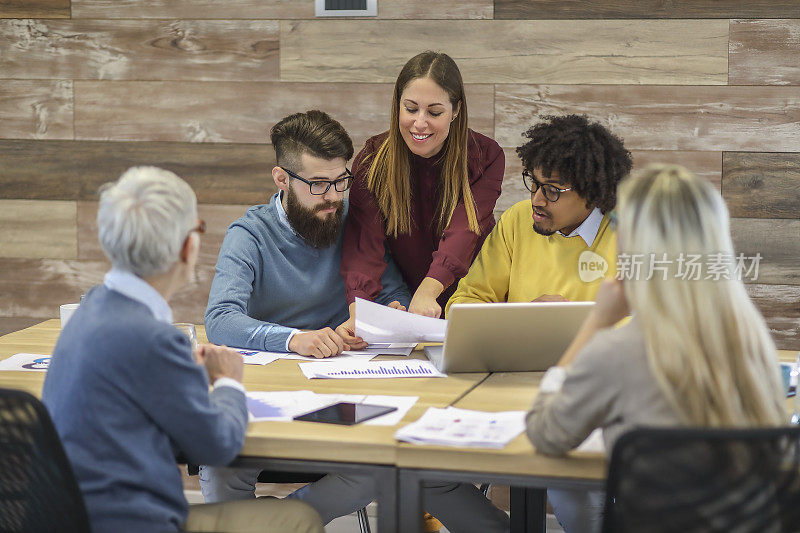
{"x": 551, "y": 192}
{"x": 199, "y": 228}
{"x": 321, "y": 187}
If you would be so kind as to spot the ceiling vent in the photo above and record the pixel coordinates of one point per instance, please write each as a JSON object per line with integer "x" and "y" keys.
{"x": 346, "y": 8}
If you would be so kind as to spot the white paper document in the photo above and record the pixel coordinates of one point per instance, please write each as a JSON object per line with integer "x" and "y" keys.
{"x": 255, "y": 357}
{"x": 285, "y": 405}
{"x": 282, "y": 405}
{"x": 356, "y": 356}
{"x": 370, "y": 369}
{"x": 26, "y": 362}
{"x": 593, "y": 443}
{"x": 379, "y": 323}
{"x": 386, "y": 348}
{"x": 462, "y": 427}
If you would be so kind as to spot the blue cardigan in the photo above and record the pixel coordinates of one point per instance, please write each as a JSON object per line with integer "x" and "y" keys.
{"x": 126, "y": 396}
{"x": 269, "y": 281}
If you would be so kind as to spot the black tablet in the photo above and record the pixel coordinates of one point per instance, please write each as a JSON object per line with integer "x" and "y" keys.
{"x": 346, "y": 413}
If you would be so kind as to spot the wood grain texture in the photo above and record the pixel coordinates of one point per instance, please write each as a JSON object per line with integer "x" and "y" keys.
{"x": 441, "y": 9}
{"x": 35, "y": 109}
{"x": 780, "y": 305}
{"x": 38, "y": 229}
{"x": 698, "y": 118}
{"x": 705, "y": 164}
{"x": 592, "y": 52}
{"x": 645, "y": 9}
{"x": 762, "y": 185}
{"x": 217, "y": 218}
{"x": 74, "y": 170}
{"x": 238, "y": 112}
{"x": 10, "y": 324}
{"x": 191, "y": 9}
{"x": 36, "y": 287}
{"x": 271, "y": 9}
{"x": 778, "y": 243}
{"x": 764, "y": 52}
{"x": 51, "y": 9}
{"x": 139, "y": 49}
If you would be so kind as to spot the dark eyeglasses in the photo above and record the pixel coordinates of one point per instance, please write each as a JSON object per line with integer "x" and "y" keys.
{"x": 551, "y": 192}
{"x": 321, "y": 187}
{"x": 199, "y": 228}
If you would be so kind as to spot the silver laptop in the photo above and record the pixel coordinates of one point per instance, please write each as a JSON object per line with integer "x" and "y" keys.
{"x": 507, "y": 337}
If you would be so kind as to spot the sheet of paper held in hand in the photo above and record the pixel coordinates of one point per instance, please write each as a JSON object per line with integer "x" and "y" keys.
{"x": 413, "y": 368}
{"x": 256, "y": 357}
{"x": 463, "y": 427}
{"x": 26, "y": 362}
{"x": 285, "y": 405}
{"x": 378, "y": 323}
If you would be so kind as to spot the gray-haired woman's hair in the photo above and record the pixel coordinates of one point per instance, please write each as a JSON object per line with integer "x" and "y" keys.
{"x": 144, "y": 218}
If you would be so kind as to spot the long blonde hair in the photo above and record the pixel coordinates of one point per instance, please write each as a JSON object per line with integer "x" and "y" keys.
{"x": 707, "y": 345}
{"x": 389, "y": 177}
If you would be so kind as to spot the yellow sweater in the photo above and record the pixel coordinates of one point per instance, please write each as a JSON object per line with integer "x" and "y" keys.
{"x": 516, "y": 264}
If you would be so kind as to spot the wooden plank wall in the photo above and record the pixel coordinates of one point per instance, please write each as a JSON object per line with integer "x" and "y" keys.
{"x": 91, "y": 87}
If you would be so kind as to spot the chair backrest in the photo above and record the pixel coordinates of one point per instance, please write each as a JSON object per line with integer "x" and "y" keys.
{"x": 704, "y": 480}
{"x": 38, "y": 491}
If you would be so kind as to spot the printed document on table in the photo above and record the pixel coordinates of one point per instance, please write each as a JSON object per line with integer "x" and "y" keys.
{"x": 285, "y": 405}
{"x": 282, "y": 405}
{"x": 372, "y": 350}
{"x": 414, "y": 368}
{"x": 379, "y": 323}
{"x": 255, "y": 357}
{"x": 462, "y": 427}
{"x": 593, "y": 443}
{"x": 385, "y": 348}
{"x": 26, "y": 362}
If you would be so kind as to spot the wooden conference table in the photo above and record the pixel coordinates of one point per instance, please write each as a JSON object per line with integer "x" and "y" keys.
{"x": 398, "y": 468}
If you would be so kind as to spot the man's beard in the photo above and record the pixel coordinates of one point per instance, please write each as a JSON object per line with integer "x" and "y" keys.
{"x": 541, "y": 231}
{"x": 305, "y": 222}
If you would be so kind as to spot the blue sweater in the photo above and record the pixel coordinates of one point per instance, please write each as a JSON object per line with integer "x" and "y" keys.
{"x": 126, "y": 397}
{"x": 269, "y": 282}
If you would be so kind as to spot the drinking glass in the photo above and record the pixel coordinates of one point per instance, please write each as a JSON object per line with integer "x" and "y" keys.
{"x": 190, "y": 331}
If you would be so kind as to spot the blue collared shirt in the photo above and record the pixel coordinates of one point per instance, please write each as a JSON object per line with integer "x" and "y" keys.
{"x": 137, "y": 289}
{"x": 588, "y": 229}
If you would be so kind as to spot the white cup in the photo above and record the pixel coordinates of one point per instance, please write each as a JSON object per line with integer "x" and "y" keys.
{"x": 66, "y": 312}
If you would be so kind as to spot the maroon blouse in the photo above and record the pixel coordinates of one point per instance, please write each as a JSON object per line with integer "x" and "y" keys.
{"x": 423, "y": 252}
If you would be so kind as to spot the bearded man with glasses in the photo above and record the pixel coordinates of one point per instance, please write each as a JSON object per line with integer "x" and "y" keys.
{"x": 571, "y": 168}
{"x": 277, "y": 285}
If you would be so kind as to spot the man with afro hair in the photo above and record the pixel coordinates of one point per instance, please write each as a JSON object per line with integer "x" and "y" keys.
{"x": 537, "y": 251}
{"x": 554, "y": 247}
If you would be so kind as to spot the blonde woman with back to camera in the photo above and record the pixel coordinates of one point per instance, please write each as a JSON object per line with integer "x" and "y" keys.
{"x": 689, "y": 343}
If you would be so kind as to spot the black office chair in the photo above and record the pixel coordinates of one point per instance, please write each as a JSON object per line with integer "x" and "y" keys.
{"x": 38, "y": 491}
{"x": 701, "y": 480}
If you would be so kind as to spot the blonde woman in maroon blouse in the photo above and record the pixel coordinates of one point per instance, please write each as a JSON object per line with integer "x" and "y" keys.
{"x": 425, "y": 190}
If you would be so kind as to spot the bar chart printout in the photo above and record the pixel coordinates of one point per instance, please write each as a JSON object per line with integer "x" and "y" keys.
{"x": 370, "y": 370}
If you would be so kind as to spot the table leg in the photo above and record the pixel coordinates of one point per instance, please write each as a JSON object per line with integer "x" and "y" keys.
{"x": 386, "y": 482}
{"x": 528, "y": 510}
{"x": 410, "y": 502}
